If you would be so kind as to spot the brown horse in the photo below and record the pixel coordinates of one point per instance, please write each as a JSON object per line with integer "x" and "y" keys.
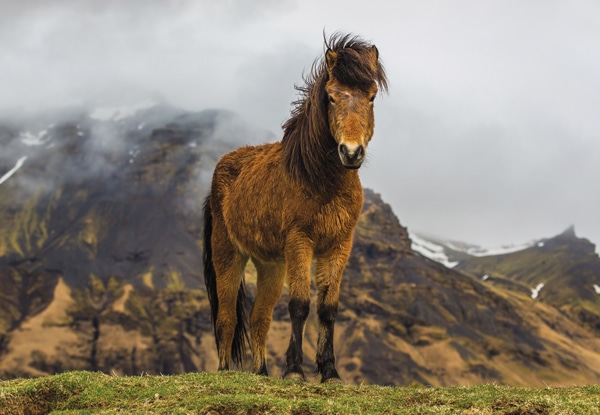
{"x": 281, "y": 204}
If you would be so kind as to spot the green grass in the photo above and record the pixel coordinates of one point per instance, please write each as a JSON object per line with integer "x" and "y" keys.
{"x": 245, "y": 393}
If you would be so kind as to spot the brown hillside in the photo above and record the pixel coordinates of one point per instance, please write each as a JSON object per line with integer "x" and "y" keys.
{"x": 100, "y": 270}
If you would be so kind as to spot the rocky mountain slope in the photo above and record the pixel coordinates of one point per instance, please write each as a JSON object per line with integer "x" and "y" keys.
{"x": 99, "y": 238}
{"x": 100, "y": 269}
{"x": 563, "y": 271}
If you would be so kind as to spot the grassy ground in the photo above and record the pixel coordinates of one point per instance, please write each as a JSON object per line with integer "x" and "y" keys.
{"x": 244, "y": 393}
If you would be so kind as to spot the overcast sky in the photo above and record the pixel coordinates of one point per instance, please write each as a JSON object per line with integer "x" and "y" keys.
{"x": 490, "y": 133}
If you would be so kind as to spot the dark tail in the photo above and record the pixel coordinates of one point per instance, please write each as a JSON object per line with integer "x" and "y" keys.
{"x": 240, "y": 339}
{"x": 210, "y": 276}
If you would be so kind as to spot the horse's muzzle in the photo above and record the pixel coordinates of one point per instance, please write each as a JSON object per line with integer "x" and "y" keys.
{"x": 352, "y": 156}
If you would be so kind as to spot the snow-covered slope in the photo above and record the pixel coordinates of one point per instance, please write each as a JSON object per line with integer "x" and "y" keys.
{"x": 119, "y": 113}
{"x": 431, "y": 250}
{"x": 500, "y": 250}
{"x": 449, "y": 253}
{"x": 12, "y": 171}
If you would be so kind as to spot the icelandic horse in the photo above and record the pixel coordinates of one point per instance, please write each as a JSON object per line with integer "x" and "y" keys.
{"x": 282, "y": 204}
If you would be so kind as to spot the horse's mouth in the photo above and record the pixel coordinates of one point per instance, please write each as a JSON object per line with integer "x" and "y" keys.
{"x": 351, "y": 164}
{"x": 352, "y": 167}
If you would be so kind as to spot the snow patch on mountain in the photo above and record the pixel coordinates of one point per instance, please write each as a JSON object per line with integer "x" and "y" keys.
{"x": 120, "y": 113}
{"x": 431, "y": 250}
{"x": 34, "y": 139}
{"x": 502, "y": 250}
{"x": 536, "y": 291}
{"x": 133, "y": 154}
{"x": 439, "y": 250}
{"x": 12, "y": 171}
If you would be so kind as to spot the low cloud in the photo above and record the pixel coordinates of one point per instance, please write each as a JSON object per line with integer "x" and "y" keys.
{"x": 489, "y": 133}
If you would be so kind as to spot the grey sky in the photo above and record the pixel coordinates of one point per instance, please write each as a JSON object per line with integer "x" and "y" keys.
{"x": 489, "y": 134}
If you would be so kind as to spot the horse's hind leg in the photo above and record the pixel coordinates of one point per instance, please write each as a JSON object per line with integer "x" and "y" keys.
{"x": 329, "y": 276}
{"x": 229, "y": 266}
{"x": 269, "y": 285}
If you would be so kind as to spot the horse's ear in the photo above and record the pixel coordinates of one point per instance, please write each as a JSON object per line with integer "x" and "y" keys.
{"x": 330, "y": 59}
{"x": 374, "y": 52}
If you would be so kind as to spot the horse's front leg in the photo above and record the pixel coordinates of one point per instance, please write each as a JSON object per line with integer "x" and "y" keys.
{"x": 329, "y": 277}
{"x": 298, "y": 256}
{"x": 269, "y": 284}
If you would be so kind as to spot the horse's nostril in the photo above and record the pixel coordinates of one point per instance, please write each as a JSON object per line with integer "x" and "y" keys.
{"x": 343, "y": 149}
{"x": 360, "y": 152}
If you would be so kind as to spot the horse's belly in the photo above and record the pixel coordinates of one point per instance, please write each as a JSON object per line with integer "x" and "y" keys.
{"x": 258, "y": 235}
{"x": 259, "y": 245}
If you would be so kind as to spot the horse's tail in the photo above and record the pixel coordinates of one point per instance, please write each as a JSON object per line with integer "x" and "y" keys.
{"x": 210, "y": 276}
{"x": 240, "y": 339}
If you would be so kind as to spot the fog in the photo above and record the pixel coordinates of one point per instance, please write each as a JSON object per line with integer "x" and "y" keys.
{"x": 489, "y": 133}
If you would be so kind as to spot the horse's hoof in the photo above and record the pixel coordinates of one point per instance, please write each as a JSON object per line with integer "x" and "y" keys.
{"x": 294, "y": 376}
{"x": 334, "y": 381}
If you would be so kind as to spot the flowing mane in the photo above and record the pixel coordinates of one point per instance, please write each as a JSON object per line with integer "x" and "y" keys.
{"x": 307, "y": 139}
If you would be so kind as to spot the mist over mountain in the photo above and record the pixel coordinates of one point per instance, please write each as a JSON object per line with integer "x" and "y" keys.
{"x": 100, "y": 267}
{"x": 491, "y": 115}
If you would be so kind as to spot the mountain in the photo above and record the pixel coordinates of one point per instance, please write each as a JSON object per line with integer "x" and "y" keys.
{"x": 99, "y": 238}
{"x": 100, "y": 268}
{"x": 563, "y": 271}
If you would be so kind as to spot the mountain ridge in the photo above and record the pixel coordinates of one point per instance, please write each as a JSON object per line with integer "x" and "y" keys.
{"x": 563, "y": 270}
{"x": 100, "y": 267}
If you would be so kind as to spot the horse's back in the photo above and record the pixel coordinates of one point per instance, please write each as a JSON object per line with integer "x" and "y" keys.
{"x": 240, "y": 165}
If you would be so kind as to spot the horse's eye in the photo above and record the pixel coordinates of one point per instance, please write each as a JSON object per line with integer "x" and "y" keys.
{"x": 331, "y": 99}
{"x": 372, "y": 98}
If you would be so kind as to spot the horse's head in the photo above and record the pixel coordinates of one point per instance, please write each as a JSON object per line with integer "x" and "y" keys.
{"x": 354, "y": 76}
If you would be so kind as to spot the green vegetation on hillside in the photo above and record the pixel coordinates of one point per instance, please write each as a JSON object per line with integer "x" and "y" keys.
{"x": 245, "y": 393}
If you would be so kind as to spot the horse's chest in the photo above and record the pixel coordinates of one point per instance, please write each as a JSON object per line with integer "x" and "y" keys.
{"x": 333, "y": 224}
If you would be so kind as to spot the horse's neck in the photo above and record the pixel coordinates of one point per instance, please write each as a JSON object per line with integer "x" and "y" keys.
{"x": 311, "y": 158}
{"x": 333, "y": 181}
